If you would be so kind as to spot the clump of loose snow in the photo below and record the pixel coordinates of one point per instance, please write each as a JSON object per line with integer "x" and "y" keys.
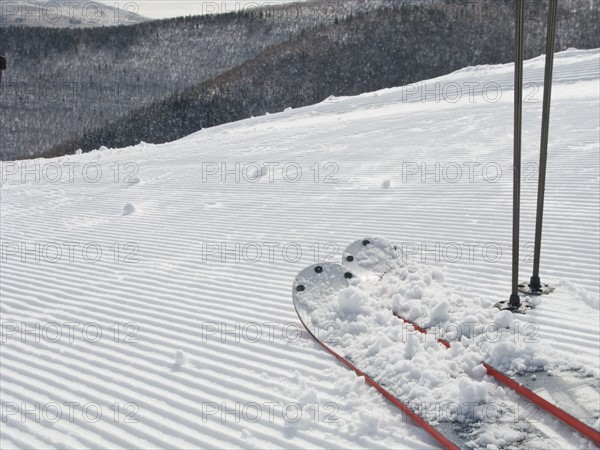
{"x": 78, "y": 152}
{"x": 534, "y": 300}
{"x": 471, "y": 391}
{"x": 495, "y": 437}
{"x": 256, "y": 172}
{"x": 438, "y": 275}
{"x": 509, "y": 355}
{"x": 368, "y": 421}
{"x": 180, "y": 358}
{"x": 102, "y": 148}
{"x": 468, "y": 326}
{"x": 439, "y": 313}
{"x": 478, "y": 372}
{"x": 412, "y": 347}
{"x": 504, "y": 319}
{"x": 415, "y": 292}
{"x": 386, "y": 184}
{"x": 414, "y": 313}
{"x": 264, "y": 171}
{"x": 128, "y": 209}
{"x": 351, "y": 302}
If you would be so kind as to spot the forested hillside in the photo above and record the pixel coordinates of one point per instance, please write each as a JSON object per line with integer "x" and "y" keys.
{"x": 392, "y": 46}
{"x": 63, "y": 82}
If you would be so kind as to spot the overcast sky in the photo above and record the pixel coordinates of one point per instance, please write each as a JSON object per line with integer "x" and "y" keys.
{"x": 160, "y": 9}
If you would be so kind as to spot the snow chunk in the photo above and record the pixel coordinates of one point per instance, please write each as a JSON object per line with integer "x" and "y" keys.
{"x": 351, "y": 302}
{"x": 468, "y": 326}
{"x": 386, "y": 184}
{"x": 253, "y": 173}
{"x": 412, "y": 347}
{"x": 440, "y": 313}
{"x": 498, "y": 437}
{"x": 470, "y": 391}
{"x": 180, "y": 358}
{"x": 504, "y": 319}
{"x": 479, "y": 372}
{"x": 438, "y": 275}
{"x": 264, "y": 171}
{"x": 128, "y": 209}
{"x": 415, "y": 292}
{"x": 368, "y": 422}
{"x": 522, "y": 357}
{"x": 414, "y": 313}
{"x": 427, "y": 279}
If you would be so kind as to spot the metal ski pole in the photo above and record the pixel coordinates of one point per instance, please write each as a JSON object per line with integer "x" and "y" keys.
{"x": 535, "y": 286}
{"x": 514, "y": 303}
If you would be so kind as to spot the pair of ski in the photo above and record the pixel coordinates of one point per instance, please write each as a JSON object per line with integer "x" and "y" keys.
{"x": 412, "y": 371}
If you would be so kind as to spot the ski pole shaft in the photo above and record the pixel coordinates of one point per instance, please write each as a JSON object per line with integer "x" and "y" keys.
{"x": 551, "y": 33}
{"x": 2, "y": 66}
{"x": 515, "y": 300}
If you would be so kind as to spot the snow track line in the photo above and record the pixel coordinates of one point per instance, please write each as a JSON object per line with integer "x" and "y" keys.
{"x": 178, "y": 407}
{"x": 162, "y": 335}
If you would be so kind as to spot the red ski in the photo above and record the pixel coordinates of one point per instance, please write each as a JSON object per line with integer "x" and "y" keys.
{"x": 317, "y": 291}
{"x": 377, "y": 257}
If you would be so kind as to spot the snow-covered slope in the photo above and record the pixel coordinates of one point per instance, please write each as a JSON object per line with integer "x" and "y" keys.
{"x": 182, "y": 333}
